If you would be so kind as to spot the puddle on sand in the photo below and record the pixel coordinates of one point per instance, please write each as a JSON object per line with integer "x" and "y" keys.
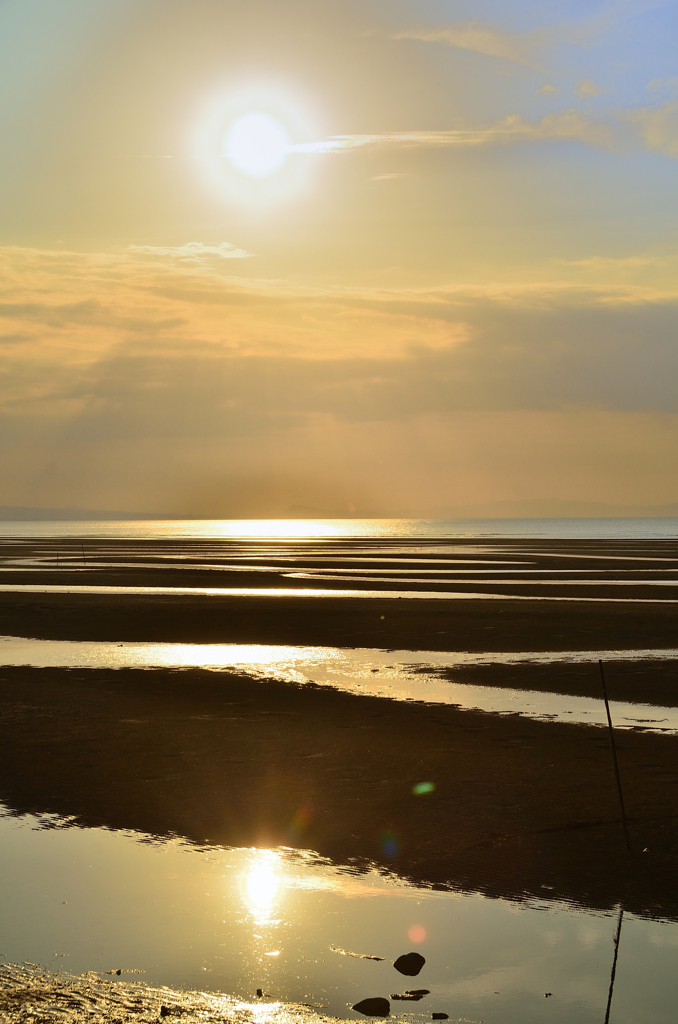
{"x": 235, "y": 920}
{"x": 298, "y": 592}
{"x": 397, "y": 675}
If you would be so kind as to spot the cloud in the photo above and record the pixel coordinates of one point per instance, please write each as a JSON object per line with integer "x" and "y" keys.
{"x": 269, "y": 374}
{"x": 662, "y": 85}
{"x": 167, "y": 350}
{"x": 89, "y": 312}
{"x": 567, "y": 125}
{"x": 586, "y": 89}
{"x": 193, "y": 252}
{"x": 548, "y": 90}
{"x": 487, "y": 40}
{"x": 657, "y": 127}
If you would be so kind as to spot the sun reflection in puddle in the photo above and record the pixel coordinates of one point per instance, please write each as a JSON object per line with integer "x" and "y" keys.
{"x": 262, "y": 885}
{"x": 486, "y": 959}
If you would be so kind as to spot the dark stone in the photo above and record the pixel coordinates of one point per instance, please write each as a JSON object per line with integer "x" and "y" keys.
{"x": 376, "y": 1007}
{"x": 410, "y": 964}
{"x": 440, "y": 1016}
{"x": 165, "y": 1011}
{"x": 260, "y": 992}
{"x": 412, "y": 995}
{"x": 119, "y": 971}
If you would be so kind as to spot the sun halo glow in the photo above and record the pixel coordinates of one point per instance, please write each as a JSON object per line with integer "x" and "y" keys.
{"x": 257, "y": 144}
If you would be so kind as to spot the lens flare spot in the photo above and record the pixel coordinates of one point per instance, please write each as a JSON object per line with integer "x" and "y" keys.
{"x": 423, "y": 787}
{"x": 390, "y": 847}
{"x": 257, "y": 145}
{"x": 416, "y": 933}
{"x": 299, "y": 824}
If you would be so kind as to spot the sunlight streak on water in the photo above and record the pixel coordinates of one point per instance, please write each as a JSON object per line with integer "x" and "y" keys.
{"x": 308, "y": 529}
{"x": 395, "y": 675}
{"x": 297, "y": 592}
{"x": 262, "y": 885}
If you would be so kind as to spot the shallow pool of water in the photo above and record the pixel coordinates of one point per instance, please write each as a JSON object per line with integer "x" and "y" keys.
{"x": 237, "y": 920}
{"x": 396, "y": 675}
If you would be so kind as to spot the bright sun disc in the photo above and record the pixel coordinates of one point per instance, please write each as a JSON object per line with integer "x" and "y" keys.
{"x": 257, "y": 145}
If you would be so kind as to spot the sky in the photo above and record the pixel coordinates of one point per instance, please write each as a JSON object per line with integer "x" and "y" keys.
{"x": 332, "y": 257}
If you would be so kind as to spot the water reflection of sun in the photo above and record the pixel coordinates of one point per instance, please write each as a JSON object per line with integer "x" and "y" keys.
{"x": 293, "y": 529}
{"x": 262, "y": 883}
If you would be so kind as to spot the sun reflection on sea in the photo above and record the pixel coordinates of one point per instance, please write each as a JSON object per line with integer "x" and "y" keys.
{"x": 280, "y": 528}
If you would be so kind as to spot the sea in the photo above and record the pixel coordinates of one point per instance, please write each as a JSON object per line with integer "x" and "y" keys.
{"x": 316, "y": 529}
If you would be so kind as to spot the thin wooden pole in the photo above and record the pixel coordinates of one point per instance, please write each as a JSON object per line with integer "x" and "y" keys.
{"x": 614, "y": 758}
{"x": 614, "y": 964}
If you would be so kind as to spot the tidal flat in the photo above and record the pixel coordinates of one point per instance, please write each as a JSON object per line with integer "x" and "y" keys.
{"x": 475, "y": 828}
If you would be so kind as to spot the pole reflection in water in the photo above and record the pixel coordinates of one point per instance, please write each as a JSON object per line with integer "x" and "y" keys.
{"x": 613, "y": 973}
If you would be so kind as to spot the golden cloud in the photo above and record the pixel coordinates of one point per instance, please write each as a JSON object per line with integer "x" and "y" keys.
{"x": 488, "y": 40}
{"x": 657, "y": 126}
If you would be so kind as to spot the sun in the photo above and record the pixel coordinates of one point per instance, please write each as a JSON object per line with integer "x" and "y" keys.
{"x": 257, "y": 145}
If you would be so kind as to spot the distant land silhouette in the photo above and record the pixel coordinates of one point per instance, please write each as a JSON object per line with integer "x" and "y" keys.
{"x": 527, "y": 508}
{"x": 530, "y": 508}
{"x": 14, "y": 513}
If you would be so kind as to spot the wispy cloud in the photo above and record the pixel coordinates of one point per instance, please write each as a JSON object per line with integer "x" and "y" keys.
{"x": 586, "y": 89}
{"x": 193, "y": 252}
{"x": 657, "y": 126}
{"x": 570, "y": 124}
{"x": 488, "y": 40}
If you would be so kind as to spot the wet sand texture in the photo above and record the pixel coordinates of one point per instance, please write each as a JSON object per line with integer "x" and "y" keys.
{"x": 520, "y": 568}
{"x": 521, "y": 808}
{"x": 29, "y": 993}
{"x": 341, "y": 622}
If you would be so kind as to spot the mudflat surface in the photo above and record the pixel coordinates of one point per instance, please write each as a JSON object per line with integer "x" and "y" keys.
{"x": 520, "y": 808}
{"x": 341, "y": 622}
{"x": 522, "y": 595}
{"x": 646, "y": 682}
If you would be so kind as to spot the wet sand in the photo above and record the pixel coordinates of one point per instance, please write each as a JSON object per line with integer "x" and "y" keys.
{"x": 521, "y": 809}
{"x": 30, "y": 993}
{"x": 647, "y": 682}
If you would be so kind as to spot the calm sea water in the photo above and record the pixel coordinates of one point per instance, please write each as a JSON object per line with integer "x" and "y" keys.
{"x": 214, "y": 529}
